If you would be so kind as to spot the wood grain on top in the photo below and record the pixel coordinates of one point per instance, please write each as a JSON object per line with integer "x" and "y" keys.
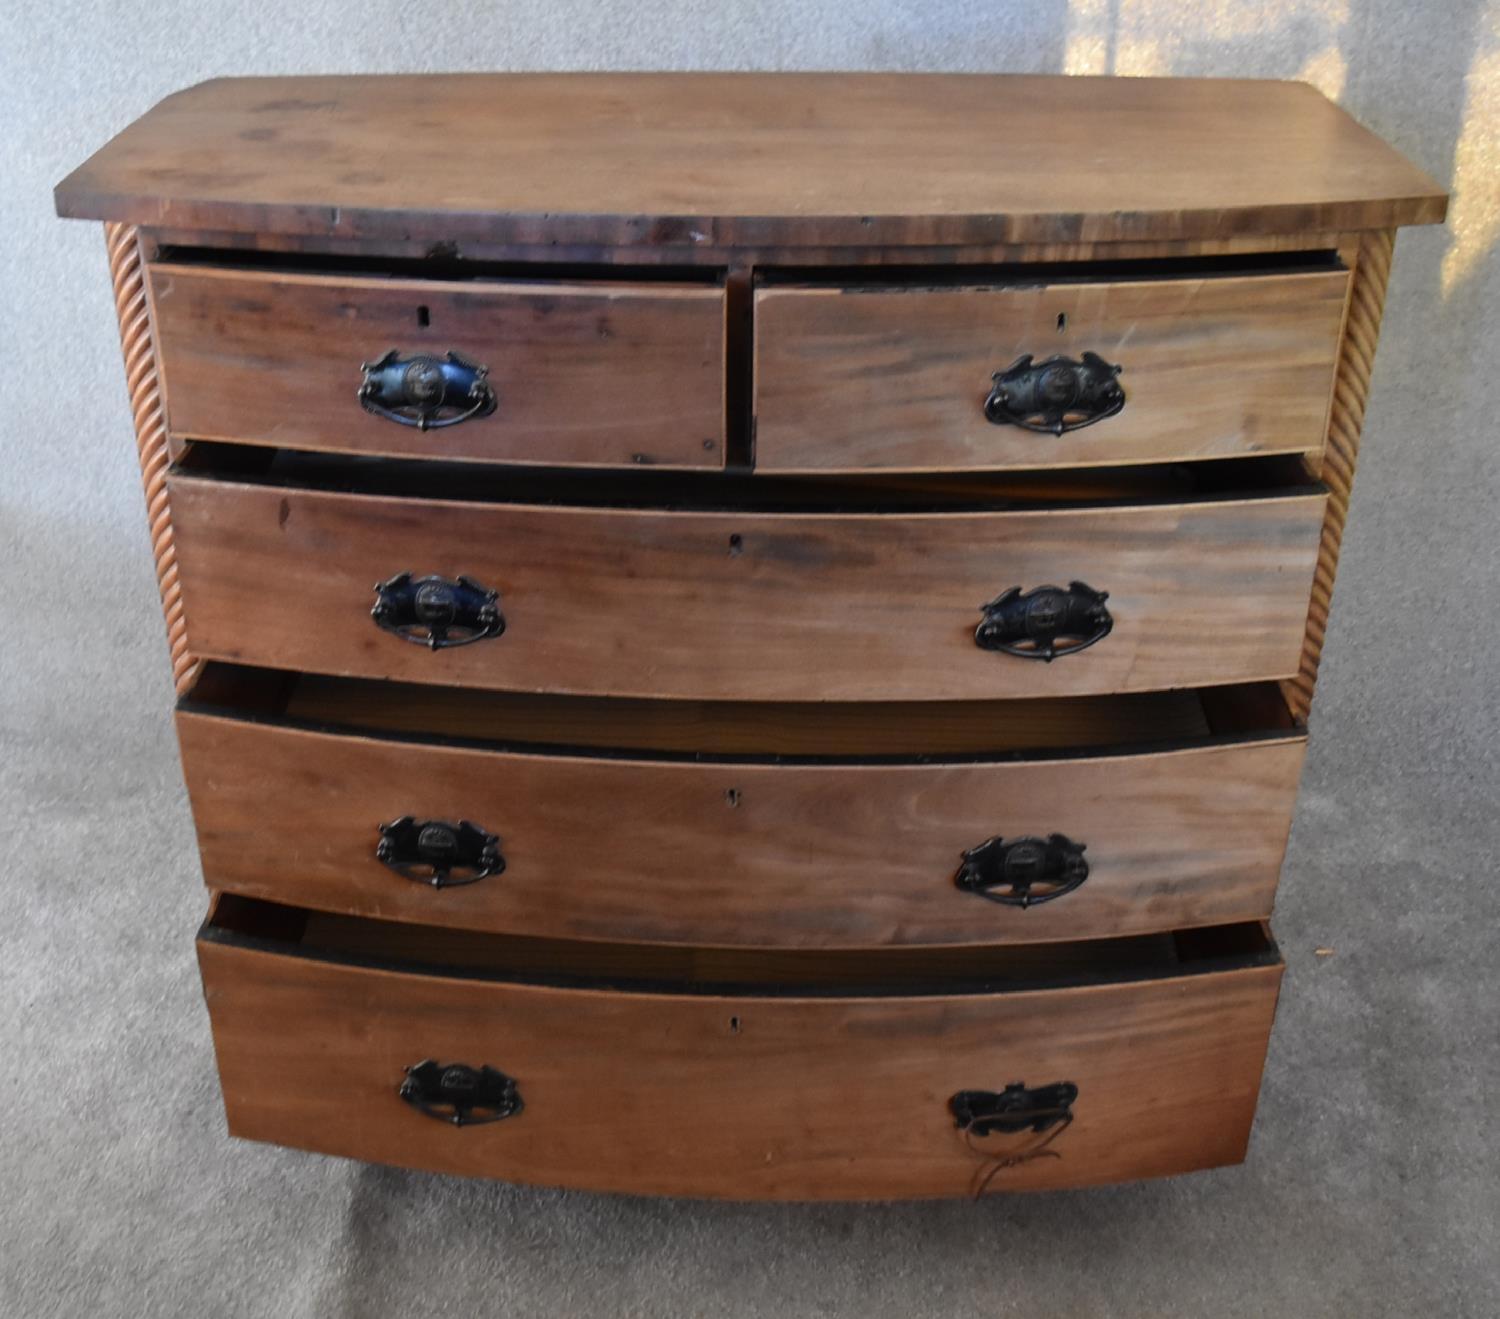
{"x": 718, "y": 160}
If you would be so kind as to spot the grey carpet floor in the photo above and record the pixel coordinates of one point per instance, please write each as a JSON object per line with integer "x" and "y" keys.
{"x": 1373, "y": 1183}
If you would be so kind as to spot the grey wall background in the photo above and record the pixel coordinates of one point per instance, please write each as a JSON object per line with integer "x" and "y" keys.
{"x": 1373, "y": 1185}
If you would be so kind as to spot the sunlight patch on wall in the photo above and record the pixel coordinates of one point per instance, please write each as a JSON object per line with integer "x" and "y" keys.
{"x": 1474, "y": 212}
{"x": 1327, "y": 71}
{"x": 1089, "y": 31}
{"x": 1159, "y": 37}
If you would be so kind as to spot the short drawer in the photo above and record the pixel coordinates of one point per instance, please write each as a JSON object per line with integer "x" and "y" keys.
{"x": 768, "y": 826}
{"x": 820, "y": 1077}
{"x": 749, "y": 604}
{"x": 905, "y": 378}
{"x": 576, "y": 373}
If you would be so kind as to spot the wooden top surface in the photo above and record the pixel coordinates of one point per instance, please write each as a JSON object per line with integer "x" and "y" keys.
{"x": 719, "y": 160}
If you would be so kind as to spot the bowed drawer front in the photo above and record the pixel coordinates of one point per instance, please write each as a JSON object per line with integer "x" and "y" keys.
{"x": 1045, "y": 374}
{"x": 733, "y": 636}
{"x": 559, "y": 373}
{"x": 753, "y": 605}
{"x": 1143, "y": 1060}
{"x": 1006, "y": 822}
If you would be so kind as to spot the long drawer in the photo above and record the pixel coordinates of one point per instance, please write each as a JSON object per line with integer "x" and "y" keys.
{"x": 748, "y": 1078}
{"x": 576, "y": 373}
{"x": 870, "y": 377}
{"x": 777, "y": 826}
{"x": 749, "y": 604}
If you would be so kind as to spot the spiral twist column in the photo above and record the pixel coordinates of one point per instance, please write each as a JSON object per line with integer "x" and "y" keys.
{"x": 1372, "y": 268}
{"x": 127, "y": 270}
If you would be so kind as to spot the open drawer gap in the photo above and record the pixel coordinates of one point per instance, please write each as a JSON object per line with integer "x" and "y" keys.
{"x": 423, "y": 949}
{"x": 832, "y": 732}
{"x": 642, "y": 487}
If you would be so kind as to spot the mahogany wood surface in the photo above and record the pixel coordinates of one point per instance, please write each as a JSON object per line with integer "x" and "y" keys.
{"x": 725, "y": 159}
{"x": 602, "y": 373}
{"x": 745, "y": 1096}
{"x": 872, "y": 377}
{"x": 631, "y": 847}
{"x": 747, "y": 605}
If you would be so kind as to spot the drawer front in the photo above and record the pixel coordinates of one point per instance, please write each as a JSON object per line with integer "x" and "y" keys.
{"x": 609, "y": 374}
{"x": 849, "y": 380}
{"x": 740, "y": 1097}
{"x": 747, "y": 605}
{"x": 748, "y": 854}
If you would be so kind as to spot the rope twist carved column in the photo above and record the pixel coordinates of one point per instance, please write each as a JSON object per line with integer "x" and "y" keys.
{"x": 1351, "y": 389}
{"x": 127, "y": 270}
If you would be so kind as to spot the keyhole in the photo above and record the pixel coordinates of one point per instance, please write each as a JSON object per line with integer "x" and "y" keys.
{"x": 736, "y": 544}
{"x": 734, "y": 1025}
{"x": 732, "y": 796}
{"x": 424, "y": 317}
{"x": 1062, "y": 322}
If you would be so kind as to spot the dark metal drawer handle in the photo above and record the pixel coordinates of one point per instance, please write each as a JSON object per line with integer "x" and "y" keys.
{"x": 1045, "y": 622}
{"x": 438, "y": 853}
{"x": 984, "y": 1112}
{"x": 459, "y": 1094}
{"x": 1046, "y": 1112}
{"x": 1054, "y": 396}
{"x": 436, "y": 612}
{"x": 426, "y": 392}
{"x": 1022, "y": 872}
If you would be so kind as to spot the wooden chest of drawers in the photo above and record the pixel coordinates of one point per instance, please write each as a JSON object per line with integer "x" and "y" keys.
{"x": 740, "y": 635}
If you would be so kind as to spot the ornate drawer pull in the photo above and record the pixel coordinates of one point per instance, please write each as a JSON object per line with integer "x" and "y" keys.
{"x": 426, "y": 392}
{"x": 1046, "y": 1112}
{"x": 462, "y": 1095}
{"x": 438, "y": 853}
{"x": 1054, "y": 396}
{"x": 1031, "y": 625}
{"x": 984, "y": 1112}
{"x": 436, "y": 612}
{"x": 1023, "y": 871}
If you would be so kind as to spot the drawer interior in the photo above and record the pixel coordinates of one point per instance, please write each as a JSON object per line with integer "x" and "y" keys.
{"x": 1025, "y": 273}
{"x": 449, "y": 263}
{"x": 706, "y": 730}
{"x": 424, "y": 949}
{"x": 743, "y": 491}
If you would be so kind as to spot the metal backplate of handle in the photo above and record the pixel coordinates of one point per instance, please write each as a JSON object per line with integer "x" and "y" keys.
{"x": 1015, "y": 1108}
{"x": 426, "y": 392}
{"x": 438, "y": 853}
{"x": 1045, "y": 1111}
{"x": 1054, "y": 396}
{"x": 1022, "y": 872}
{"x": 1045, "y": 622}
{"x": 437, "y": 612}
{"x": 458, "y": 1094}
